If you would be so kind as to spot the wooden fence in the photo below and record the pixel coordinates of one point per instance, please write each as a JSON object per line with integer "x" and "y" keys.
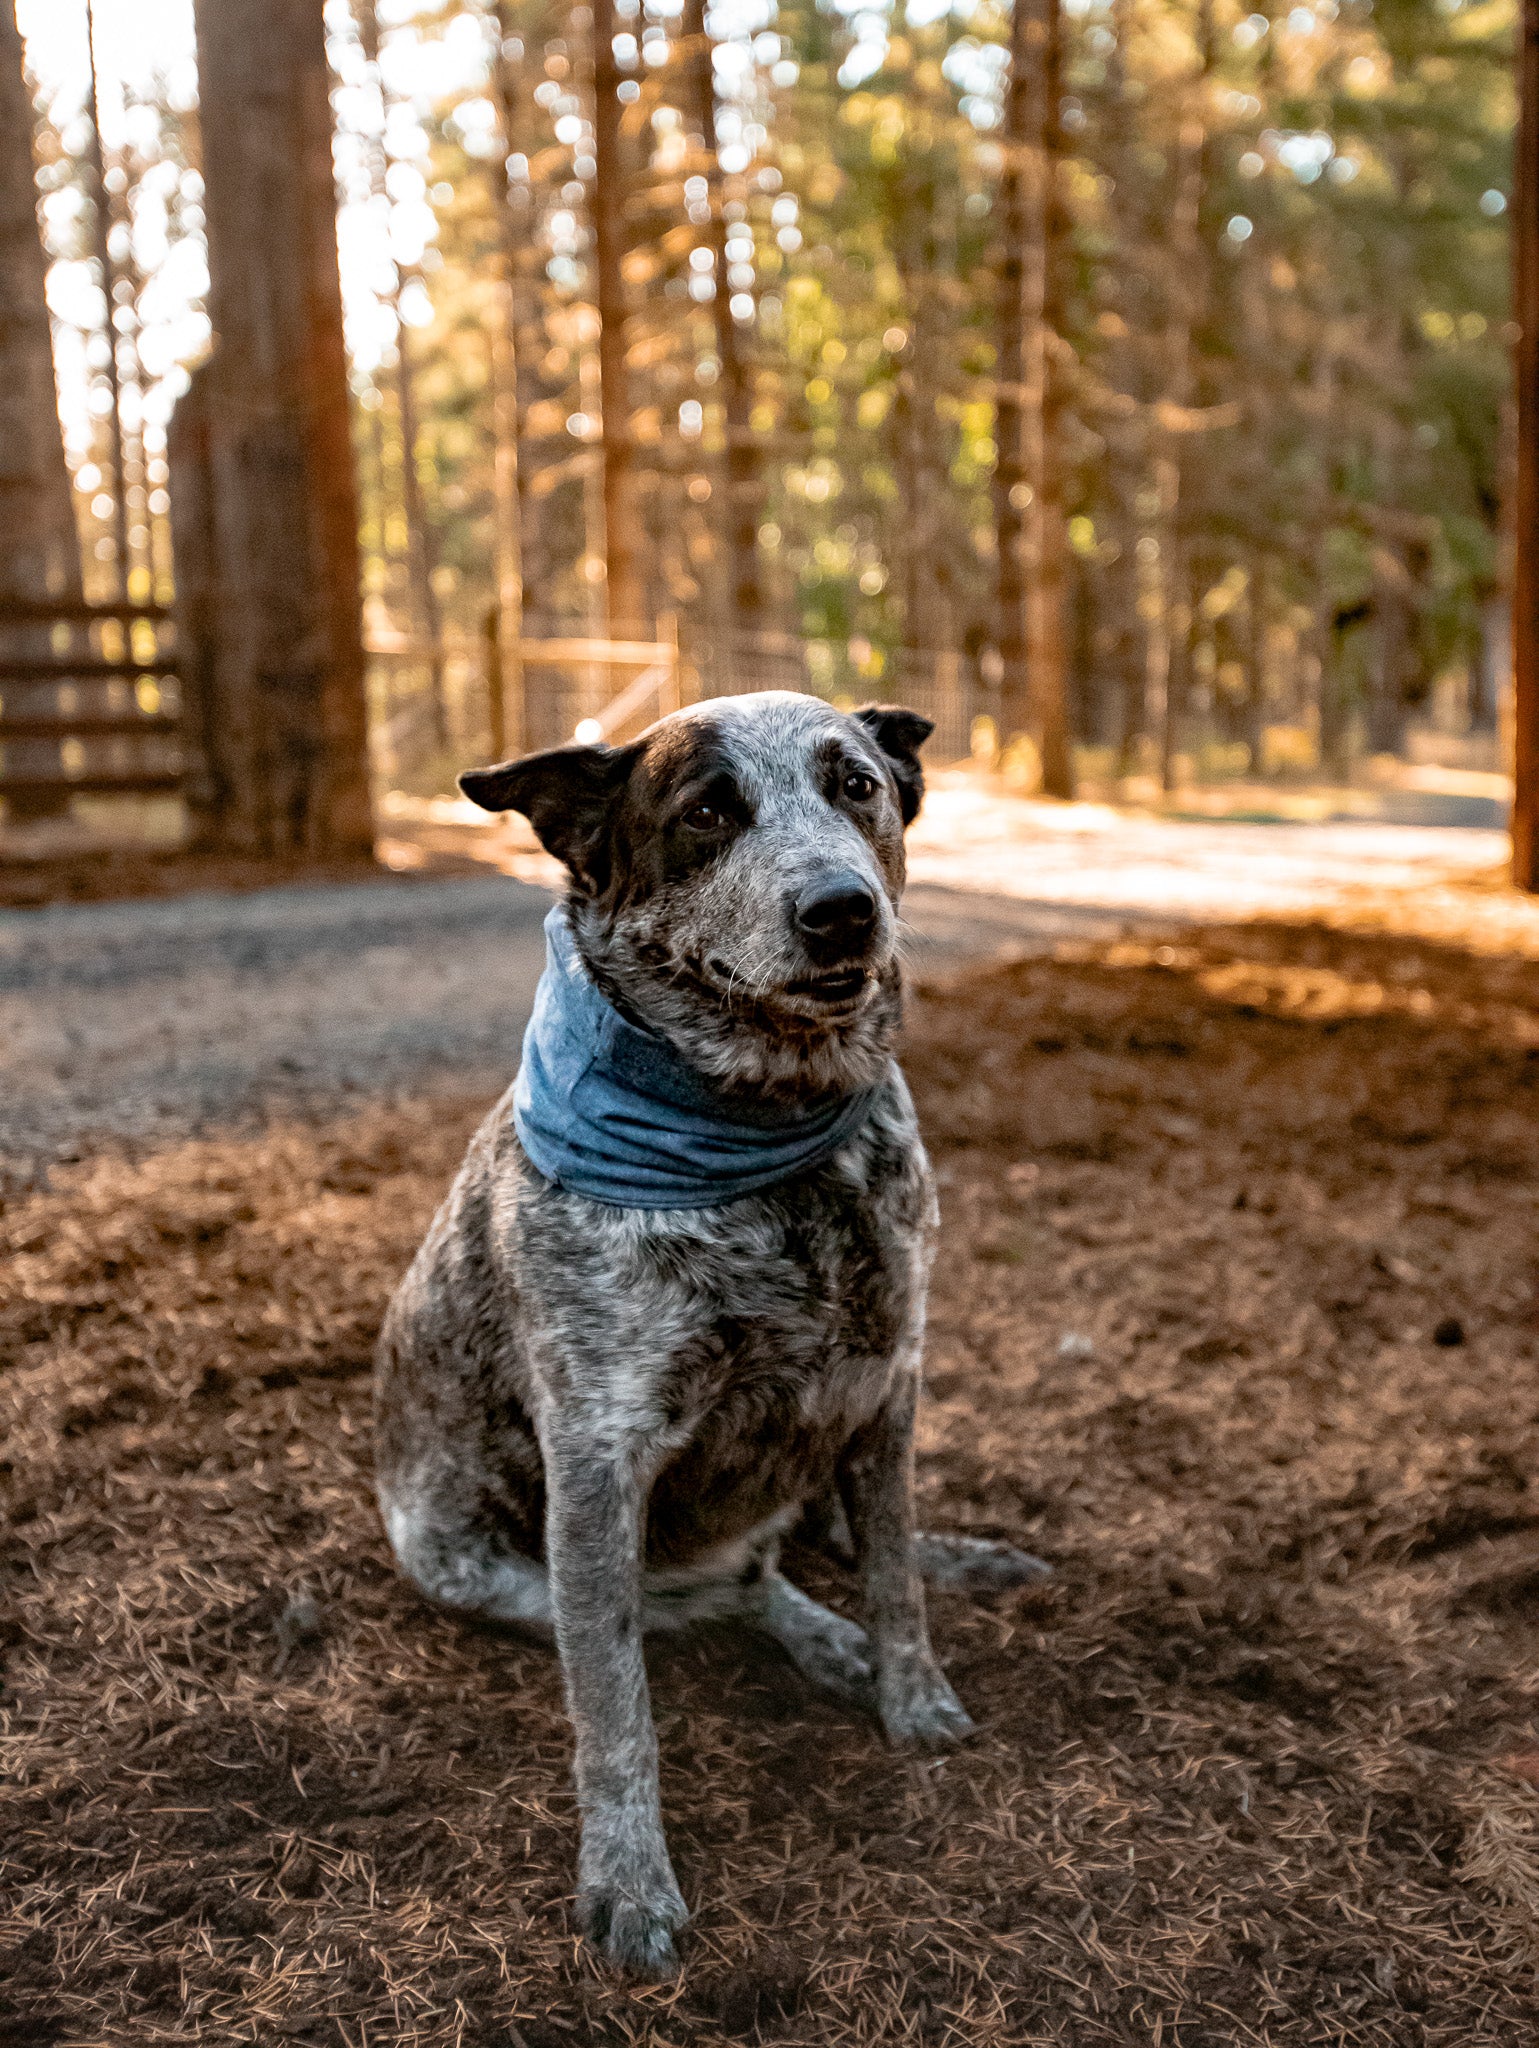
{"x": 91, "y": 697}
{"x": 90, "y": 703}
{"x": 515, "y": 696}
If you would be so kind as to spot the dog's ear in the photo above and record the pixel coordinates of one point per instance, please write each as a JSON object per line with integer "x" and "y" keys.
{"x": 900, "y": 734}
{"x": 568, "y": 795}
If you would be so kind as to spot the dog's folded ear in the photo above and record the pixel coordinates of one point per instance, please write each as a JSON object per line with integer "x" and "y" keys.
{"x": 900, "y": 734}
{"x": 568, "y": 794}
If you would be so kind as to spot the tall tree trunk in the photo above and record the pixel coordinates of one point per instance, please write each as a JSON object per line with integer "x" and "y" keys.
{"x": 1017, "y": 411}
{"x": 1187, "y": 288}
{"x": 926, "y": 253}
{"x": 1493, "y": 656}
{"x": 510, "y": 349}
{"x": 263, "y": 491}
{"x": 421, "y": 535}
{"x": 1525, "y": 593}
{"x": 39, "y": 544}
{"x": 1123, "y": 666}
{"x": 741, "y": 463}
{"x": 622, "y": 526}
{"x": 1028, "y": 490}
{"x": 1049, "y": 653}
{"x": 1393, "y": 655}
{"x": 101, "y": 235}
{"x": 1256, "y": 664}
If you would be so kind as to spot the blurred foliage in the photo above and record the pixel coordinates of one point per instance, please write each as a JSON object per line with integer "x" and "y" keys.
{"x": 1339, "y": 430}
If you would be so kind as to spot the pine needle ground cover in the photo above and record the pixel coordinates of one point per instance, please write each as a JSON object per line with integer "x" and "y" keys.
{"x": 1235, "y": 1320}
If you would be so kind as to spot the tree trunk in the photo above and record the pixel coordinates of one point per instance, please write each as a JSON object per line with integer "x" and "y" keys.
{"x": 1525, "y": 595}
{"x": 1050, "y": 649}
{"x": 39, "y": 544}
{"x": 746, "y": 606}
{"x": 1028, "y": 485}
{"x": 1394, "y": 629}
{"x": 421, "y": 536}
{"x": 1017, "y": 406}
{"x": 1119, "y": 645}
{"x": 926, "y": 253}
{"x": 421, "y": 539}
{"x": 1164, "y": 706}
{"x": 1493, "y": 658}
{"x": 505, "y": 672}
{"x": 101, "y": 234}
{"x": 1256, "y": 666}
{"x": 263, "y": 491}
{"x": 621, "y": 522}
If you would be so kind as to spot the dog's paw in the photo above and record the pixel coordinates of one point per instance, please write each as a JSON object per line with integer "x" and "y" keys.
{"x": 628, "y": 1900}
{"x": 836, "y": 1658}
{"x": 918, "y": 1708}
{"x": 634, "y": 1933}
{"x": 976, "y": 1564}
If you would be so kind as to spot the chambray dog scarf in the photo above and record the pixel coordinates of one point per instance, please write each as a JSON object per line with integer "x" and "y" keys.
{"x": 612, "y": 1112}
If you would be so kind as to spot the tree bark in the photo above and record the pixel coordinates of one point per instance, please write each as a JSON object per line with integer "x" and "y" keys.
{"x": 264, "y": 499}
{"x": 1256, "y": 664}
{"x": 1163, "y": 705}
{"x": 1028, "y": 488}
{"x": 505, "y": 668}
{"x": 421, "y": 535}
{"x": 421, "y": 538}
{"x": 925, "y": 236}
{"x": 1393, "y": 657}
{"x": 741, "y": 463}
{"x": 39, "y": 545}
{"x": 101, "y": 235}
{"x": 622, "y": 526}
{"x": 1121, "y": 664}
{"x": 1050, "y": 649}
{"x": 1017, "y": 415}
{"x": 1525, "y": 598}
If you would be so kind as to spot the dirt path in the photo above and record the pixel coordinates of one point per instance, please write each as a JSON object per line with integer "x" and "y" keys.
{"x": 145, "y": 1021}
{"x": 148, "y": 1021}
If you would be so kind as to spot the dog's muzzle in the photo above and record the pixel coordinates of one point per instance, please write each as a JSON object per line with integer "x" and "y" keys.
{"x": 836, "y": 918}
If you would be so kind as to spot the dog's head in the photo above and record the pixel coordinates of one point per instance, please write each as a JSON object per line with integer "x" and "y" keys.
{"x": 735, "y": 876}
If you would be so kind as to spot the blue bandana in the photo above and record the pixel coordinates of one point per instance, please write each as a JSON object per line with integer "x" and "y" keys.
{"x": 612, "y": 1112}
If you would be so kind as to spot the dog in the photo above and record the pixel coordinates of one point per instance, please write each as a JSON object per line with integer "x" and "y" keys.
{"x": 675, "y": 1299}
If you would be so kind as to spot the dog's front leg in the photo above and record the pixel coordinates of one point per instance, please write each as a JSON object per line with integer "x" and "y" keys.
{"x": 914, "y": 1698}
{"x": 628, "y": 1900}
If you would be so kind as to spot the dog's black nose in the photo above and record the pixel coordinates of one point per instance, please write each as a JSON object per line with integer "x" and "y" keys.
{"x": 836, "y": 908}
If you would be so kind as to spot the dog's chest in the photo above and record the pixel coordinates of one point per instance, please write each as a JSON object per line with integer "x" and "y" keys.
{"x": 801, "y": 1317}
{"x": 801, "y": 1313}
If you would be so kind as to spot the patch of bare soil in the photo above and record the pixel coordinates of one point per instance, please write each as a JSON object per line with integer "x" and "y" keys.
{"x": 1235, "y": 1319}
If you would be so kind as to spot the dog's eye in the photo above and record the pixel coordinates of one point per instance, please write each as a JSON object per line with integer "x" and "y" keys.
{"x": 859, "y": 788}
{"x": 703, "y": 818}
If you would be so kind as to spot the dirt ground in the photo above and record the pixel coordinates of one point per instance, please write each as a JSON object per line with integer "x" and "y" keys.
{"x": 1236, "y": 1320}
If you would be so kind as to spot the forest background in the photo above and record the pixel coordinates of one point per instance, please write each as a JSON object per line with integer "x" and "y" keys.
{"x": 1199, "y": 317}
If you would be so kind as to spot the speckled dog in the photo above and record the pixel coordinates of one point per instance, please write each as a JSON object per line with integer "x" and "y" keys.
{"x": 596, "y": 1418}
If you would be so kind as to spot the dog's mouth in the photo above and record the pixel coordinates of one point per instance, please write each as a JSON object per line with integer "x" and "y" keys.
{"x": 837, "y": 989}
{"x": 830, "y": 992}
